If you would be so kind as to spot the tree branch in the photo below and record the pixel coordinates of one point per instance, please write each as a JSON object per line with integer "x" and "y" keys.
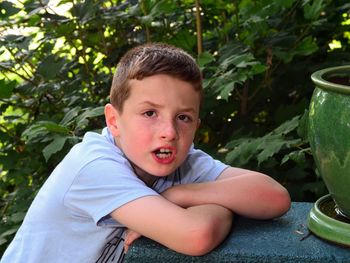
{"x": 148, "y": 33}
{"x": 199, "y": 28}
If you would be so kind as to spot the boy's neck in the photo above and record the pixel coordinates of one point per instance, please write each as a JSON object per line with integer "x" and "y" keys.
{"x": 147, "y": 178}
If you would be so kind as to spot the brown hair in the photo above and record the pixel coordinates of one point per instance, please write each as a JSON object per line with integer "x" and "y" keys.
{"x": 148, "y": 60}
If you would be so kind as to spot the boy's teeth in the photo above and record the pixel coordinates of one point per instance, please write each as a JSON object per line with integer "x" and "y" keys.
{"x": 163, "y": 153}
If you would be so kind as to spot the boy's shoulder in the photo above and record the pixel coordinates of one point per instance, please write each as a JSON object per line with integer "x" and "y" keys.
{"x": 95, "y": 144}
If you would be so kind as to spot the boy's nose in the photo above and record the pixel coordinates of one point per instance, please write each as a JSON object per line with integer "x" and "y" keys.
{"x": 168, "y": 130}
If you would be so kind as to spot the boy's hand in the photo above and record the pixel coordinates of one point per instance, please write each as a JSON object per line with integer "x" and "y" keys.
{"x": 130, "y": 237}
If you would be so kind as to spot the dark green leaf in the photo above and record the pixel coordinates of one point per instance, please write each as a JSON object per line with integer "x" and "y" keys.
{"x": 50, "y": 67}
{"x": 6, "y": 88}
{"x": 7, "y": 9}
{"x": 70, "y": 115}
{"x": 313, "y": 11}
{"x": 82, "y": 120}
{"x": 271, "y": 146}
{"x": 55, "y": 146}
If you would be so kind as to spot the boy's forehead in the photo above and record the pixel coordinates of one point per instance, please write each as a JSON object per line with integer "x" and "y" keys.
{"x": 159, "y": 81}
{"x": 152, "y": 89}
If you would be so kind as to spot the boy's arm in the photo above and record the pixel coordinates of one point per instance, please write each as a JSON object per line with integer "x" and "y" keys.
{"x": 242, "y": 191}
{"x": 194, "y": 218}
{"x": 195, "y": 230}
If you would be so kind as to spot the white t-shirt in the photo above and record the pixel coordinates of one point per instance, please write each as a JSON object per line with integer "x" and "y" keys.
{"x": 69, "y": 220}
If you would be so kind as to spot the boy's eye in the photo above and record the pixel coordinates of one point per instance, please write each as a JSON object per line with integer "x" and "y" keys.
{"x": 184, "y": 118}
{"x": 150, "y": 113}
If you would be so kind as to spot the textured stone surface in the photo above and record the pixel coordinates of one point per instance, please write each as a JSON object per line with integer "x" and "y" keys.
{"x": 286, "y": 239}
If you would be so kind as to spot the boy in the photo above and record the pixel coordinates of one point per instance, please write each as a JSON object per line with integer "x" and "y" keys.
{"x": 142, "y": 176}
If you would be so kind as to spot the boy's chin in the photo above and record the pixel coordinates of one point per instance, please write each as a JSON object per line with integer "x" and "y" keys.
{"x": 160, "y": 173}
{"x": 144, "y": 172}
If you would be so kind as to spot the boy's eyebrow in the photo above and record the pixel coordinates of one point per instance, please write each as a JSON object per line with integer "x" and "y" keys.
{"x": 155, "y": 105}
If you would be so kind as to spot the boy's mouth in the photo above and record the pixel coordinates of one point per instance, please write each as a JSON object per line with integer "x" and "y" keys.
{"x": 165, "y": 155}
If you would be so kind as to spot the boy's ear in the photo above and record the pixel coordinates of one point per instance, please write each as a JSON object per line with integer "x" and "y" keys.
{"x": 111, "y": 116}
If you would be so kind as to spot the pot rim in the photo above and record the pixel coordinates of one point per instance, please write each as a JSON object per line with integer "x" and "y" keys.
{"x": 318, "y": 78}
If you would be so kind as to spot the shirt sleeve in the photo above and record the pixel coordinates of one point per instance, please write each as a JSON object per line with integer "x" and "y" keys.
{"x": 200, "y": 167}
{"x": 102, "y": 186}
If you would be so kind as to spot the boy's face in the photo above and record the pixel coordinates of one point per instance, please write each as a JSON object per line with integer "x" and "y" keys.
{"x": 158, "y": 123}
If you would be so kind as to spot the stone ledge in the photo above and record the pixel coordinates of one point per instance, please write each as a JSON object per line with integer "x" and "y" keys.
{"x": 285, "y": 239}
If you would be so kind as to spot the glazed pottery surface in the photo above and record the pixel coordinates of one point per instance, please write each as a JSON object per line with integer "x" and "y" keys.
{"x": 325, "y": 223}
{"x": 329, "y": 132}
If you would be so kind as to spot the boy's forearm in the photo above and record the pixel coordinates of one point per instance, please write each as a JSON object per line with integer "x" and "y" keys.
{"x": 194, "y": 231}
{"x": 251, "y": 194}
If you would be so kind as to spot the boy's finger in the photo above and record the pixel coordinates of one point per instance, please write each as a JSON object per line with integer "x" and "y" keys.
{"x": 130, "y": 237}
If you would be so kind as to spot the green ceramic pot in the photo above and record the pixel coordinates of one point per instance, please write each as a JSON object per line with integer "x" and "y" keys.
{"x": 329, "y": 132}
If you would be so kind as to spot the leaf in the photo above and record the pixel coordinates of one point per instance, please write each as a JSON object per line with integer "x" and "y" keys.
{"x": 226, "y": 89}
{"x": 271, "y": 146}
{"x": 304, "y": 126}
{"x": 50, "y": 67}
{"x": 6, "y": 88}
{"x": 53, "y": 127}
{"x": 288, "y": 126}
{"x": 204, "y": 59}
{"x": 237, "y": 60}
{"x": 262, "y": 148}
{"x": 258, "y": 68}
{"x": 306, "y": 47}
{"x": 225, "y": 83}
{"x": 243, "y": 153}
{"x": 184, "y": 39}
{"x": 285, "y": 55}
{"x": 284, "y": 3}
{"x": 82, "y": 120}
{"x": 313, "y": 11}
{"x": 7, "y": 9}
{"x": 162, "y": 7}
{"x": 17, "y": 217}
{"x": 39, "y": 131}
{"x": 9, "y": 232}
{"x": 296, "y": 156}
{"x": 70, "y": 115}
{"x": 55, "y": 146}
{"x": 2, "y": 241}
{"x": 84, "y": 10}
{"x": 34, "y": 133}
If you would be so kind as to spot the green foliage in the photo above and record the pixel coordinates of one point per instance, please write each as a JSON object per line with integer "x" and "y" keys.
{"x": 56, "y": 66}
{"x": 263, "y": 148}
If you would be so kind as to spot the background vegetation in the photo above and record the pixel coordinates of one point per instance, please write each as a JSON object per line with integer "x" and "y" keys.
{"x": 57, "y": 59}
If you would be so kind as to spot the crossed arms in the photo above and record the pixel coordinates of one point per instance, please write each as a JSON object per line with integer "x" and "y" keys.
{"x": 194, "y": 218}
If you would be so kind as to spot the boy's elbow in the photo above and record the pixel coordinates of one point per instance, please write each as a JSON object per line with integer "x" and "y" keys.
{"x": 282, "y": 202}
{"x": 201, "y": 241}
{"x": 207, "y": 236}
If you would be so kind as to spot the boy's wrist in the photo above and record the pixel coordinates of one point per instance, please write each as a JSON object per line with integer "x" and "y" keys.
{"x": 178, "y": 195}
